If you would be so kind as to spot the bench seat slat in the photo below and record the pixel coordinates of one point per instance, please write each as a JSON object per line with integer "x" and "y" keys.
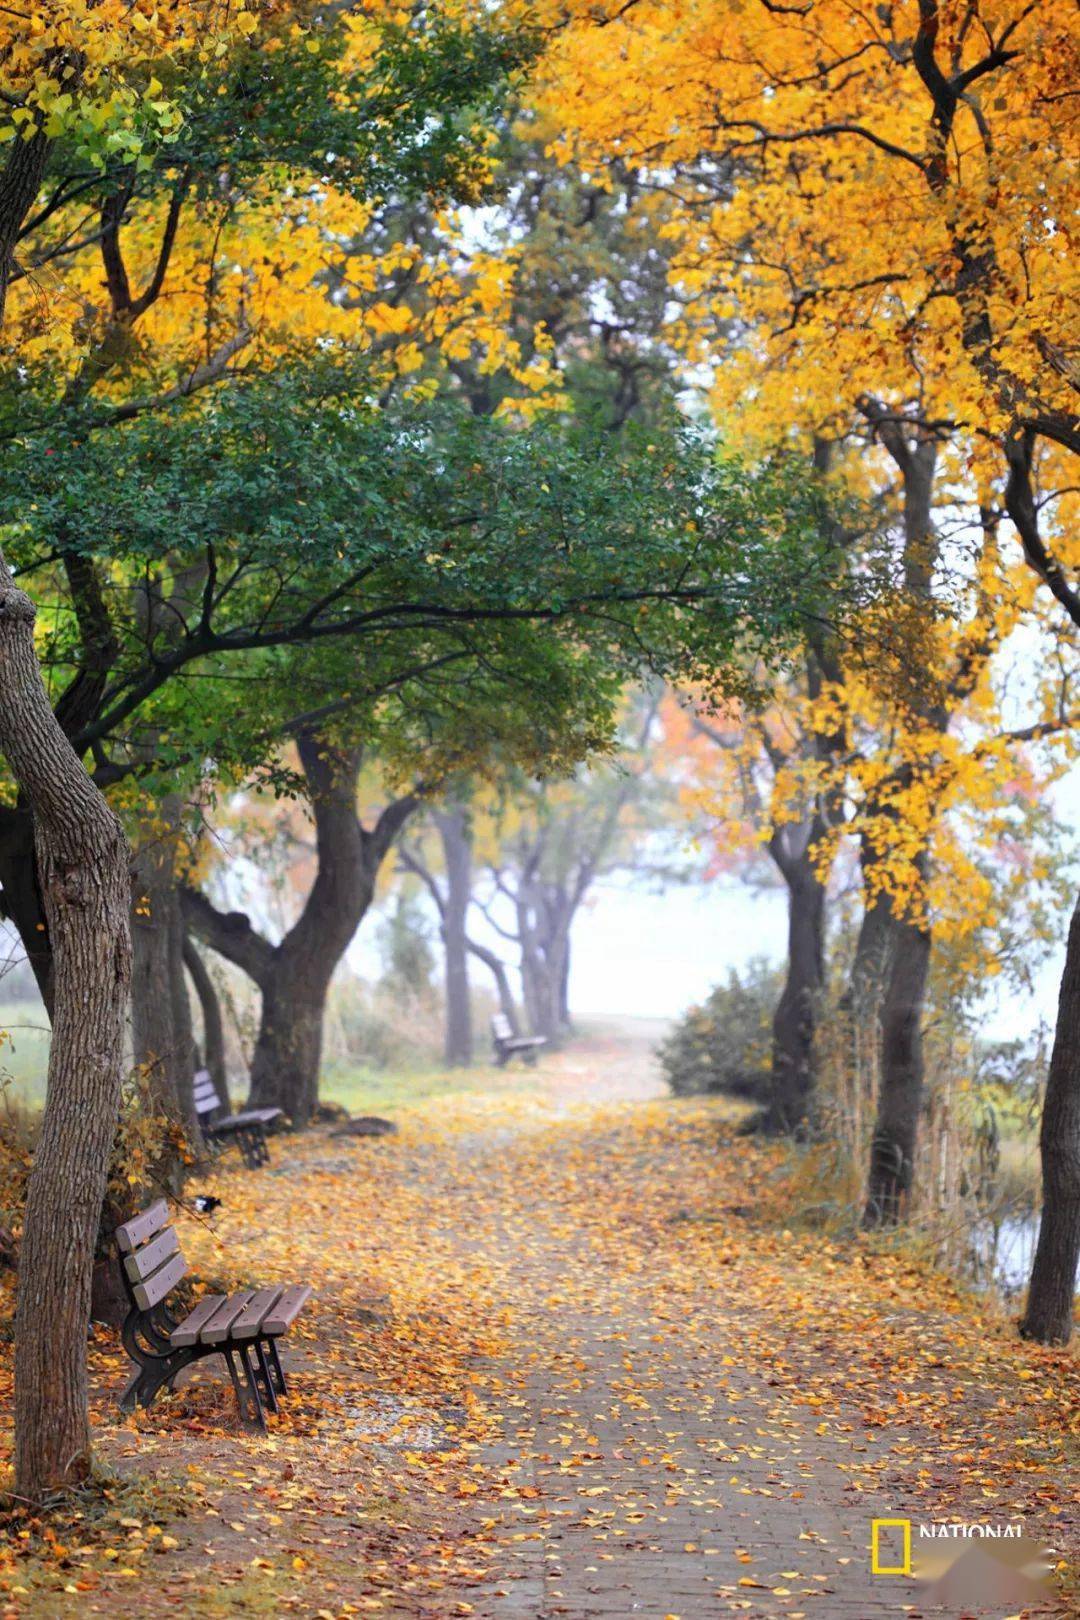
{"x": 243, "y": 1122}
{"x": 248, "y": 1324}
{"x": 219, "y": 1327}
{"x": 142, "y": 1227}
{"x": 286, "y": 1310}
{"x": 153, "y": 1289}
{"x": 146, "y": 1260}
{"x": 188, "y": 1330}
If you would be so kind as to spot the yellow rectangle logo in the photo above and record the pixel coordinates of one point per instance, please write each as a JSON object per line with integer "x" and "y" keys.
{"x": 876, "y": 1527}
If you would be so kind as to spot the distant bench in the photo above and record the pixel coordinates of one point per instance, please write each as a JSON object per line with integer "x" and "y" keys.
{"x": 244, "y": 1327}
{"x": 247, "y": 1130}
{"x": 508, "y": 1045}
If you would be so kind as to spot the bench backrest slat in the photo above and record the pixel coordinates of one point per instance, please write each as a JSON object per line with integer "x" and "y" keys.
{"x": 141, "y": 1228}
{"x": 145, "y": 1261}
{"x": 154, "y": 1288}
{"x": 206, "y": 1095}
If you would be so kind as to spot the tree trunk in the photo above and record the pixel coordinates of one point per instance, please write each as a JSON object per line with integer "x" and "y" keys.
{"x": 545, "y": 914}
{"x": 213, "y": 1028}
{"x": 900, "y": 1094}
{"x": 295, "y": 975}
{"x": 796, "y": 1017}
{"x": 20, "y": 182}
{"x": 457, "y": 859}
{"x": 564, "y": 985}
{"x": 540, "y": 989}
{"x": 860, "y": 1005}
{"x": 1052, "y": 1291}
{"x": 288, "y": 1049}
{"x": 160, "y": 1016}
{"x": 82, "y": 862}
{"x": 183, "y": 1029}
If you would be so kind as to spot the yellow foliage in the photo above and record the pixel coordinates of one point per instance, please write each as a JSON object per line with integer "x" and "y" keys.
{"x": 881, "y": 200}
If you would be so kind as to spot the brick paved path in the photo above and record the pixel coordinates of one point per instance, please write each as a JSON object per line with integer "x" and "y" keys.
{"x": 663, "y": 1471}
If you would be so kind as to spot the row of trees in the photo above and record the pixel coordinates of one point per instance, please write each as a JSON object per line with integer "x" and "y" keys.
{"x": 288, "y": 474}
{"x": 505, "y": 865}
{"x": 865, "y": 222}
{"x": 272, "y": 474}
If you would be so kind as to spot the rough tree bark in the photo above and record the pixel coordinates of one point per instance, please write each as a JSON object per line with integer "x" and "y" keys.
{"x": 795, "y": 1020}
{"x": 20, "y": 182}
{"x": 860, "y": 1004}
{"x": 160, "y": 1012}
{"x": 82, "y": 861}
{"x": 294, "y": 976}
{"x": 900, "y": 1095}
{"x": 1048, "y": 1317}
{"x": 914, "y": 451}
{"x": 213, "y": 1026}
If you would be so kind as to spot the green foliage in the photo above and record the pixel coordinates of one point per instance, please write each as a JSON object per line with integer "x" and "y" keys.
{"x": 723, "y": 1045}
{"x": 457, "y": 553}
{"x": 406, "y": 119}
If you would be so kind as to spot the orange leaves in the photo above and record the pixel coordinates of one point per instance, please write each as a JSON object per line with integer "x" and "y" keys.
{"x": 563, "y": 1379}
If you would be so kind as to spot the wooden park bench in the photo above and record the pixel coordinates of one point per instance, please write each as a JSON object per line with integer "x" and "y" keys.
{"x": 247, "y": 1130}
{"x": 508, "y": 1045}
{"x": 244, "y": 1328}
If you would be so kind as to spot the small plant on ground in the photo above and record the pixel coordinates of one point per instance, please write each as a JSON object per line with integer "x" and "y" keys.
{"x": 723, "y": 1045}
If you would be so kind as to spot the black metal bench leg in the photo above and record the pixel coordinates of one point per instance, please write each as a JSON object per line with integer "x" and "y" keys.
{"x": 264, "y": 1373}
{"x": 275, "y": 1362}
{"x": 153, "y": 1376}
{"x": 245, "y": 1405}
{"x": 129, "y": 1399}
{"x": 253, "y": 1386}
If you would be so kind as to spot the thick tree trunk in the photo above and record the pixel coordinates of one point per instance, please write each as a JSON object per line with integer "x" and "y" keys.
{"x": 213, "y": 1026}
{"x": 796, "y": 1017}
{"x": 541, "y": 978}
{"x": 900, "y": 1094}
{"x": 20, "y": 182}
{"x": 1052, "y": 1291}
{"x": 160, "y": 1015}
{"x": 545, "y": 915}
{"x": 860, "y": 1005}
{"x": 457, "y": 860}
{"x": 82, "y": 862}
{"x": 288, "y": 1049}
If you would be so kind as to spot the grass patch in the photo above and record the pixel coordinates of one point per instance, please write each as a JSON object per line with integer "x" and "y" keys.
{"x": 364, "y": 1090}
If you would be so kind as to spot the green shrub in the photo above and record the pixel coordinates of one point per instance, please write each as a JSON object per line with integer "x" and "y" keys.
{"x": 723, "y": 1045}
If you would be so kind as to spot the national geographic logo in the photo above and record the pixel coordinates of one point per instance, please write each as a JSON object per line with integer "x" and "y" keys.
{"x": 962, "y": 1562}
